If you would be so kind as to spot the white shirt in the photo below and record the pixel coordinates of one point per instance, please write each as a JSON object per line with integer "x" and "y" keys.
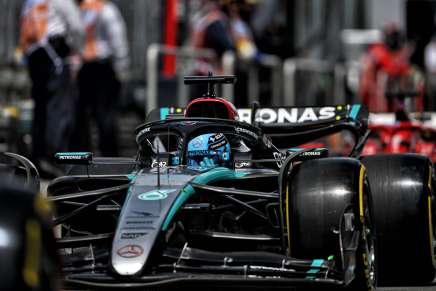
{"x": 110, "y": 36}
{"x": 63, "y": 19}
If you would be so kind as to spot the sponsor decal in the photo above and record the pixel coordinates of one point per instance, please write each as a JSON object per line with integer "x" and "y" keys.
{"x": 190, "y": 122}
{"x": 288, "y": 115}
{"x": 215, "y": 138}
{"x": 130, "y": 251}
{"x": 155, "y": 195}
{"x": 311, "y": 154}
{"x": 240, "y": 165}
{"x": 142, "y": 132}
{"x": 73, "y": 156}
{"x": 218, "y": 144}
{"x": 279, "y": 157}
{"x": 133, "y": 235}
{"x": 246, "y": 131}
{"x": 143, "y": 214}
{"x": 139, "y": 222}
{"x": 198, "y": 153}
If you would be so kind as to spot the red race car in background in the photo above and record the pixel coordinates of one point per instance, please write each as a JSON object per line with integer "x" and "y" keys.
{"x": 390, "y": 134}
{"x": 402, "y": 131}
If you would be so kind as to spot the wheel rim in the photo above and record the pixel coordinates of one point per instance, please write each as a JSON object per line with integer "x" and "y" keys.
{"x": 370, "y": 258}
{"x": 369, "y": 241}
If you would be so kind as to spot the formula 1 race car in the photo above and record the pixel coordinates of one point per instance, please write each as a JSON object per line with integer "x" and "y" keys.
{"x": 405, "y": 128}
{"x": 211, "y": 201}
{"x": 414, "y": 134}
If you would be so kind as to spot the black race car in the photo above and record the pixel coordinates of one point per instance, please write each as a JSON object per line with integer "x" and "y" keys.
{"x": 27, "y": 246}
{"x": 214, "y": 201}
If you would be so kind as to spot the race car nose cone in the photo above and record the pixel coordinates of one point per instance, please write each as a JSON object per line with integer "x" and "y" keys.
{"x": 140, "y": 224}
{"x": 128, "y": 269}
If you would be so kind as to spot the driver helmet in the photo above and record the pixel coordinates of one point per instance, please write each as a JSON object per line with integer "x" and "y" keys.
{"x": 208, "y": 151}
{"x": 394, "y": 37}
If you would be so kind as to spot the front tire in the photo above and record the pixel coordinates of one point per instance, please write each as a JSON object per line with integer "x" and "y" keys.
{"x": 320, "y": 195}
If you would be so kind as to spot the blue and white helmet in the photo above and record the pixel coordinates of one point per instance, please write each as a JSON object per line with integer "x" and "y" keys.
{"x": 208, "y": 151}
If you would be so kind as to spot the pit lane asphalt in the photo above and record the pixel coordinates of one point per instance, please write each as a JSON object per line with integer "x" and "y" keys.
{"x": 423, "y": 288}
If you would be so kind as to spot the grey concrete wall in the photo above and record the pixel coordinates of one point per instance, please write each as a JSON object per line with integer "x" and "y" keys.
{"x": 382, "y": 12}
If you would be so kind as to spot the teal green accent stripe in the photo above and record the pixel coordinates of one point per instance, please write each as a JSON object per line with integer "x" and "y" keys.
{"x": 164, "y": 111}
{"x": 355, "y": 111}
{"x": 73, "y": 154}
{"x": 301, "y": 149}
{"x": 315, "y": 263}
{"x": 129, "y": 190}
{"x": 295, "y": 149}
{"x": 216, "y": 174}
{"x": 131, "y": 176}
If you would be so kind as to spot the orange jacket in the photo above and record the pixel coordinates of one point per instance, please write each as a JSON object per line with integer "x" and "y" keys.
{"x": 91, "y": 10}
{"x": 33, "y": 23}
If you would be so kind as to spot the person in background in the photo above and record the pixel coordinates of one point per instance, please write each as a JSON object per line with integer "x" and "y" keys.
{"x": 240, "y": 31}
{"x": 384, "y": 68}
{"x": 210, "y": 30}
{"x": 219, "y": 26}
{"x": 245, "y": 47}
{"x": 51, "y": 32}
{"x": 105, "y": 68}
{"x": 430, "y": 68}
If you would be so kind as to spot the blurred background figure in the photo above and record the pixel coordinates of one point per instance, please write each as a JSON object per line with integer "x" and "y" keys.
{"x": 240, "y": 30}
{"x": 238, "y": 12}
{"x": 51, "y": 31}
{"x": 385, "y": 66}
{"x": 105, "y": 68}
{"x": 430, "y": 68}
{"x": 210, "y": 30}
{"x": 219, "y": 26}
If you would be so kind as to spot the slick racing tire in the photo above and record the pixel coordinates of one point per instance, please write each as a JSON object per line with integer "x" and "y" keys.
{"x": 402, "y": 191}
{"x": 326, "y": 208}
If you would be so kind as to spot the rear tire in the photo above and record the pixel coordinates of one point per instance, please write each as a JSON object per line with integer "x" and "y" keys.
{"x": 402, "y": 195}
{"x": 319, "y": 192}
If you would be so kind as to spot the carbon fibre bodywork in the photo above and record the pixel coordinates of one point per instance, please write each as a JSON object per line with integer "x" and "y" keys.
{"x": 153, "y": 222}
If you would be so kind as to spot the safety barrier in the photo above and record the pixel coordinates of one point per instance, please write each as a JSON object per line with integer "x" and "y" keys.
{"x": 182, "y": 54}
{"x": 275, "y": 64}
{"x": 320, "y": 82}
{"x": 295, "y": 82}
{"x": 185, "y": 56}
